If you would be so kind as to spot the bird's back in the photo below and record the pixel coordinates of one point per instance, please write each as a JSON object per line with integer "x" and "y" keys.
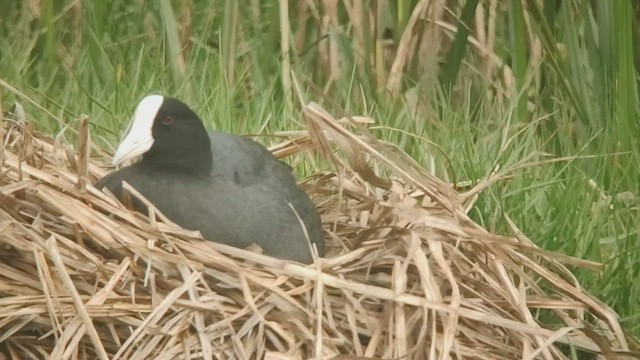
{"x": 245, "y": 160}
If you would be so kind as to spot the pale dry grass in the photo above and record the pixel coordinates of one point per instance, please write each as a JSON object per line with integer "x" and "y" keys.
{"x": 408, "y": 273}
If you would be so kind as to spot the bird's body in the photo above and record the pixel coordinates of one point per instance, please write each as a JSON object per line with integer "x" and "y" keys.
{"x": 238, "y": 193}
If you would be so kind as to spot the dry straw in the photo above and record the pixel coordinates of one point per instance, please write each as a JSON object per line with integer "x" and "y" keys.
{"x": 408, "y": 275}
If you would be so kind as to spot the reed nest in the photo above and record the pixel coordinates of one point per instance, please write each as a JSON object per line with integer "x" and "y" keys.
{"x": 408, "y": 274}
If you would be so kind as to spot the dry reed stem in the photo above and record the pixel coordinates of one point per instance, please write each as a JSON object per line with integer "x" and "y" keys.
{"x": 407, "y": 274}
{"x": 329, "y": 51}
{"x": 406, "y": 47}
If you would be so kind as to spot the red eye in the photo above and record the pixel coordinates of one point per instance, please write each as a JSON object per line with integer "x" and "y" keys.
{"x": 168, "y": 120}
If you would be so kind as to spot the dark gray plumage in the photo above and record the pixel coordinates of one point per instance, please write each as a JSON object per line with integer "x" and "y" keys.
{"x": 230, "y": 188}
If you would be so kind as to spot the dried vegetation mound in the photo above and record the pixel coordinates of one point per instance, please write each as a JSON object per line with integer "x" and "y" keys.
{"x": 408, "y": 273}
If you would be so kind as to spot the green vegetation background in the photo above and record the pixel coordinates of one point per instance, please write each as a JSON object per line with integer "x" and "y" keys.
{"x": 542, "y": 95}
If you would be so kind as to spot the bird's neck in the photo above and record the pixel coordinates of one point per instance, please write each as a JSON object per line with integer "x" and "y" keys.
{"x": 194, "y": 158}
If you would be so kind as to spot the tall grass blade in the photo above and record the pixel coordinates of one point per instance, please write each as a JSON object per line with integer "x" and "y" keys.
{"x": 174, "y": 45}
{"x": 458, "y": 50}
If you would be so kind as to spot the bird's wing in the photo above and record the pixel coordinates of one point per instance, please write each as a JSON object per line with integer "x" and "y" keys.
{"x": 250, "y": 164}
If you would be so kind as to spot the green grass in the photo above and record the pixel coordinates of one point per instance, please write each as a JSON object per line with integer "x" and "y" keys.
{"x": 578, "y": 100}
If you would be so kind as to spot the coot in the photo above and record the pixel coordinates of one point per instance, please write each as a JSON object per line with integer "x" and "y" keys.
{"x": 230, "y": 188}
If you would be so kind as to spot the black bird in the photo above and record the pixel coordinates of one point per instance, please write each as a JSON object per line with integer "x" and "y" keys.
{"x": 230, "y": 188}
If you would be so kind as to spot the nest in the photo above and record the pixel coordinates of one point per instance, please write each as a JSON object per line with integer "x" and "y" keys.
{"x": 408, "y": 274}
